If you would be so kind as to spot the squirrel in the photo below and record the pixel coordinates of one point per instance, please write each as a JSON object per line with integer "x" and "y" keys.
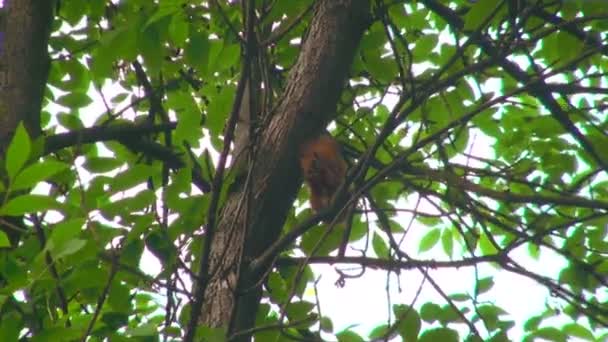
{"x": 324, "y": 169}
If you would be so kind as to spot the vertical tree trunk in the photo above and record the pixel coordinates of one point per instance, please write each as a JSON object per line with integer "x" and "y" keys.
{"x": 24, "y": 64}
{"x": 254, "y": 213}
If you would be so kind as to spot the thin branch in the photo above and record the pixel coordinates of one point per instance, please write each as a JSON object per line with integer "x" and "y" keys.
{"x": 507, "y": 196}
{"x": 51, "y": 265}
{"x": 101, "y": 300}
{"x": 390, "y": 265}
{"x": 450, "y": 302}
{"x": 247, "y": 332}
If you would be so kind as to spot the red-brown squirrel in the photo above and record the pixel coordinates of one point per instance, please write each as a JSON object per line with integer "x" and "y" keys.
{"x": 324, "y": 169}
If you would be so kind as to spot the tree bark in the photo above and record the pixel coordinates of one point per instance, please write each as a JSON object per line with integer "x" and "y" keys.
{"x": 255, "y": 210}
{"x": 25, "y": 63}
{"x": 25, "y": 28}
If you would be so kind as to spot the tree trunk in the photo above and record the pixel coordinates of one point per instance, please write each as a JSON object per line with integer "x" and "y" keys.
{"x": 255, "y": 210}
{"x": 25, "y": 27}
{"x": 25, "y": 63}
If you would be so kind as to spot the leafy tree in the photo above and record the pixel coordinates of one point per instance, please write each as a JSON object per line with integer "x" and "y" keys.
{"x": 475, "y": 128}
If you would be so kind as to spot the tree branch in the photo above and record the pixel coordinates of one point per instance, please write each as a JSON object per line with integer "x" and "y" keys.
{"x": 389, "y": 265}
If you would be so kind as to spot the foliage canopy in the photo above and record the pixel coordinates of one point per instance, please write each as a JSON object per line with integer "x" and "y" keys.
{"x": 476, "y": 128}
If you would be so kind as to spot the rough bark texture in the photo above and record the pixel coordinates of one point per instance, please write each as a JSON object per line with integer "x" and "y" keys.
{"x": 254, "y": 212}
{"x": 24, "y": 64}
{"x": 25, "y": 59}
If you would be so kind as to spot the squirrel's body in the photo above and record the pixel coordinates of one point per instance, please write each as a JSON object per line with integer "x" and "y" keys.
{"x": 323, "y": 168}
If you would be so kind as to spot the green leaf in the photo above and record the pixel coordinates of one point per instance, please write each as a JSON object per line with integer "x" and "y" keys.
{"x": 430, "y": 312}
{"x": 471, "y": 239}
{"x": 533, "y": 250}
{"x": 228, "y": 57}
{"x": 56, "y": 334}
{"x": 188, "y": 117}
{"x": 102, "y": 62}
{"x": 147, "y": 329}
{"x": 78, "y": 75}
{"x": 75, "y": 100}
{"x": 37, "y": 173}
{"x": 119, "y": 98}
{"x": 102, "y": 164}
{"x": 577, "y": 330}
{"x": 150, "y": 45}
{"x": 128, "y": 205}
{"x": 459, "y": 297}
{"x": 179, "y": 29}
{"x": 409, "y": 322}
{"x": 501, "y": 336}
{"x": 316, "y": 240}
{"x": 277, "y": 287}
{"x": 96, "y": 9}
{"x": 197, "y": 51}
{"x": 208, "y": 334}
{"x": 165, "y": 8}
{"x": 378, "y": 332}
{"x": 425, "y": 44}
{"x": 447, "y": 242}
{"x": 65, "y": 231}
{"x": 486, "y": 245}
{"x": 326, "y": 324}
{"x": 561, "y": 48}
{"x": 532, "y": 323}
{"x": 115, "y": 320}
{"x": 382, "y": 69}
{"x": 448, "y": 315}
{"x": 219, "y": 109}
{"x": 68, "y": 248}
{"x": 429, "y": 240}
{"x": 29, "y": 204}
{"x": 161, "y": 246}
{"x": 70, "y": 121}
{"x": 297, "y": 280}
{"x": 215, "y": 48}
{"x": 349, "y": 336}
{"x": 439, "y": 334}
{"x": 477, "y": 14}
{"x": 490, "y": 314}
{"x": 119, "y": 297}
{"x": 299, "y": 310}
{"x": 380, "y": 246}
{"x": 10, "y": 325}
{"x": 4, "y": 241}
{"x": 551, "y": 334}
{"x": 136, "y": 174}
{"x": 484, "y": 284}
{"x": 18, "y": 151}
{"x": 73, "y": 10}
{"x": 121, "y": 43}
